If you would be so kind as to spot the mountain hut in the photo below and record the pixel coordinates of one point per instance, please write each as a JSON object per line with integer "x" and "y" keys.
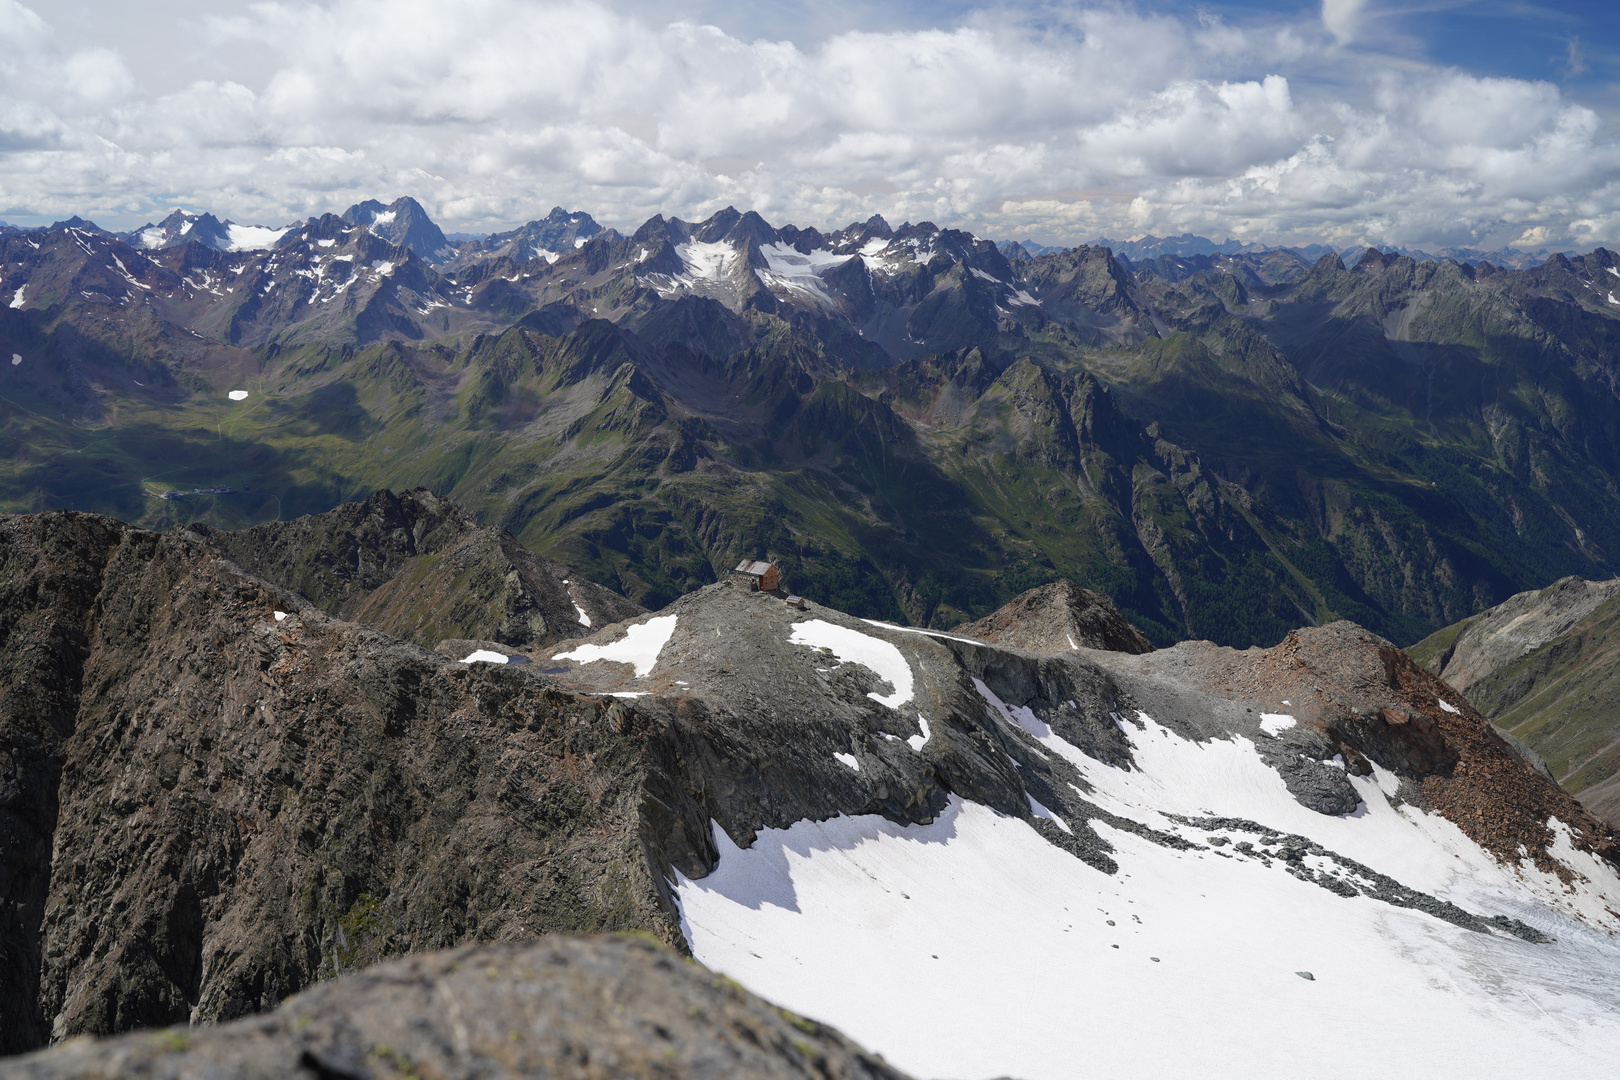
{"x": 756, "y": 575}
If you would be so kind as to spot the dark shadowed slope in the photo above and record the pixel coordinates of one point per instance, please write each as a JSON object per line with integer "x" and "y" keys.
{"x": 417, "y": 567}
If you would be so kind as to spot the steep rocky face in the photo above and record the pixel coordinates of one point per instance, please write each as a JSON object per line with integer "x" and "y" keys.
{"x": 1468, "y": 651}
{"x": 415, "y": 566}
{"x": 1056, "y": 618}
{"x": 1544, "y": 667}
{"x": 209, "y": 804}
{"x": 561, "y": 1007}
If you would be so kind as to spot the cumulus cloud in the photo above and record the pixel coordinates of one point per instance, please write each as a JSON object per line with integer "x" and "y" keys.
{"x": 1085, "y": 121}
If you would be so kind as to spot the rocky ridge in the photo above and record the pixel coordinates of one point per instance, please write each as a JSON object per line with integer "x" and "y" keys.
{"x": 561, "y": 1007}
{"x": 295, "y": 796}
{"x": 214, "y": 794}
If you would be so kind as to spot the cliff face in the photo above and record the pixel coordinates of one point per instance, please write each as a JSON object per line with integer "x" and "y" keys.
{"x": 206, "y": 807}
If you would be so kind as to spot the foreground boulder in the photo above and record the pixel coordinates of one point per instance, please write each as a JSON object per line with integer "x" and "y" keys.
{"x": 562, "y": 1007}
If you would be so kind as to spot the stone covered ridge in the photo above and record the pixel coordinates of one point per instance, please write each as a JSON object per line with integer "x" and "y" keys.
{"x": 560, "y": 1007}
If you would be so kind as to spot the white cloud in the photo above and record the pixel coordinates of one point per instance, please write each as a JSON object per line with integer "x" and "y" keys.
{"x": 1080, "y": 122}
{"x": 1342, "y": 18}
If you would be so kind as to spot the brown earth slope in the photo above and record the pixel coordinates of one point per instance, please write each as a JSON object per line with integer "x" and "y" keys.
{"x": 1544, "y": 666}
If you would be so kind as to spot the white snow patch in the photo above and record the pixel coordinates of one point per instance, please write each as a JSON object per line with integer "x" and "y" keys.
{"x": 385, "y": 217}
{"x": 640, "y": 646}
{"x": 980, "y": 902}
{"x": 708, "y": 261}
{"x": 917, "y": 742}
{"x": 1072, "y": 645}
{"x": 849, "y": 760}
{"x": 920, "y": 630}
{"x": 325, "y": 243}
{"x": 1023, "y": 298}
{"x": 383, "y": 267}
{"x": 584, "y": 619}
{"x": 257, "y": 237}
{"x": 797, "y": 271}
{"x": 1276, "y": 723}
{"x": 579, "y": 242}
{"x": 485, "y": 656}
{"x": 628, "y": 693}
{"x": 17, "y": 297}
{"x": 854, "y": 647}
{"x": 280, "y": 615}
{"x": 1022, "y": 716}
{"x": 237, "y": 395}
{"x": 1448, "y": 706}
{"x": 152, "y": 238}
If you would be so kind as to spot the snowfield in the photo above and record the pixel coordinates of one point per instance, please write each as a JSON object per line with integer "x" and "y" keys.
{"x": 254, "y": 237}
{"x": 640, "y": 646}
{"x": 973, "y": 947}
{"x": 854, "y": 647}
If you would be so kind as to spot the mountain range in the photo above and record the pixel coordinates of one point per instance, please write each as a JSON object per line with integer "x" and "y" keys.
{"x": 918, "y": 425}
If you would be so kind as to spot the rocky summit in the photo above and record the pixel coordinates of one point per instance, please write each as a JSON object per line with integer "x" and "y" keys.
{"x": 991, "y": 851}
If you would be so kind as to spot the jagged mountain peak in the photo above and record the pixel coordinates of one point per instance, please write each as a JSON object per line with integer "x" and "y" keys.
{"x": 182, "y": 227}
{"x": 404, "y": 222}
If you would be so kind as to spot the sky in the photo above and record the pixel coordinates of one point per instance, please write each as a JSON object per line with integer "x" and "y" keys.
{"x": 1432, "y": 123}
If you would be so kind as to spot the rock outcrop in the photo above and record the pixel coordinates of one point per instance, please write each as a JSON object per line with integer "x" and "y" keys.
{"x": 562, "y": 1007}
{"x": 212, "y": 795}
{"x": 1059, "y": 617}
